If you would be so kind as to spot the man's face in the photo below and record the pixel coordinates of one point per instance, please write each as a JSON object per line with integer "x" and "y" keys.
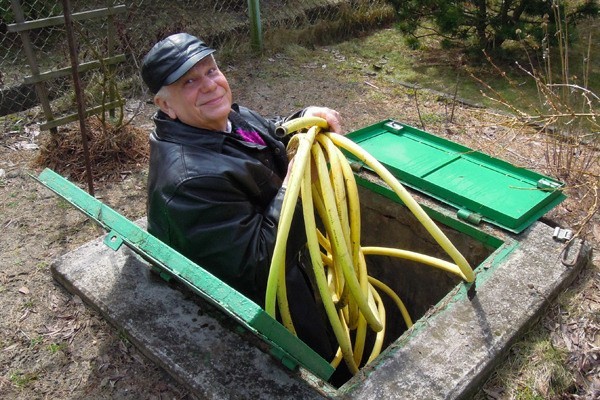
{"x": 200, "y": 98}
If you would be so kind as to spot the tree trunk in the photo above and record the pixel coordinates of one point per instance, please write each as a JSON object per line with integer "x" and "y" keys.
{"x": 481, "y": 23}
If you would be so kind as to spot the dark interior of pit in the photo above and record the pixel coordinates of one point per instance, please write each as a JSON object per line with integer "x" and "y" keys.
{"x": 387, "y": 223}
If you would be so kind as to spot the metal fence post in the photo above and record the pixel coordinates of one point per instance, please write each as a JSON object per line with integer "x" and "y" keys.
{"x": 255, "y": 25}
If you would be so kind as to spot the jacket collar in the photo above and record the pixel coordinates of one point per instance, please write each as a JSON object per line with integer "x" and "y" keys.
{"x": 175, "y": 131}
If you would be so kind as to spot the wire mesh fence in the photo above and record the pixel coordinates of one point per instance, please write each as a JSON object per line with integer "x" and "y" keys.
{"x": 128, "y": 28}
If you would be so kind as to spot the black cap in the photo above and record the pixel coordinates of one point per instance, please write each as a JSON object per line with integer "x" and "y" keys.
{"x": 171, "y": 58}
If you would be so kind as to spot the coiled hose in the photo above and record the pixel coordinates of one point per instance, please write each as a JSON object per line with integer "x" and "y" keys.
{"x": 350, "y": 296}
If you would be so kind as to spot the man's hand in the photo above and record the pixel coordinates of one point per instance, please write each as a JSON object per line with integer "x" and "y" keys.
{"x": 333, "y": 120}
{"x": 331, "y": 116}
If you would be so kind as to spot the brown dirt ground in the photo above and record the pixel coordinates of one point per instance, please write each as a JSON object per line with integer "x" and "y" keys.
{"x": 53, "y": 346}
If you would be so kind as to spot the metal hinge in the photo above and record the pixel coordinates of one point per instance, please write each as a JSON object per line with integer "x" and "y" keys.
{"x": 562, "y": 235}
{"x": 469, "y": 216}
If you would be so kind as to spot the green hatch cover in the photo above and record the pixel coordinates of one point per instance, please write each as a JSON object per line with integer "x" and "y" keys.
{"x": 479, "y": 186}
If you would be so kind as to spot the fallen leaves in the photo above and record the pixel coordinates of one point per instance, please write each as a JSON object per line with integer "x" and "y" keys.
{"x": 580, "y": 336}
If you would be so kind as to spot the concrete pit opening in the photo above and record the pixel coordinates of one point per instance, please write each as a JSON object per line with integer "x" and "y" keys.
{"x": 461, "y": 331}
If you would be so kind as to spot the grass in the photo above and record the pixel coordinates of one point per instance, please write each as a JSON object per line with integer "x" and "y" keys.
{"x": 547, "y": 96}
{"x": 22, "y": 379}
{"x": 54, "y": 348}
{"x": 29, "y": 305}
{"x": 42, "y": 265}
{"x": 446, "y": 69}
{"x": 536, "y": 369}
{"x": 35, "y": 341}
{"x": 63, "y": 204}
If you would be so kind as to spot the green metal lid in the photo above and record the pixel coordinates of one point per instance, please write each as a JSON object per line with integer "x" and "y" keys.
{"x": 479, "y": 186}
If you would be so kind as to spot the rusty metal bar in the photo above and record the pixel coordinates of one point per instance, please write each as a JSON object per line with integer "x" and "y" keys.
{"x": 78, "y": 92}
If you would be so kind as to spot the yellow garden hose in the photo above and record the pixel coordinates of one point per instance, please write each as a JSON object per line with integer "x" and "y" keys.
{"x": 410, "y": 255}
{"x": 319, "y": 270}
{"x": 277, "y": 270}
{"x": 408, "y": 200}
{"x": 350, "y": 296}
{"x": 339, "y": 245}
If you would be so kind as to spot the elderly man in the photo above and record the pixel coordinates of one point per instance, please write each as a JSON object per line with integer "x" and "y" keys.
{"x": 217, "y": 178}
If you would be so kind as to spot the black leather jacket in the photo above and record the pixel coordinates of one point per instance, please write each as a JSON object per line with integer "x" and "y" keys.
{"x": 217, "y": 198}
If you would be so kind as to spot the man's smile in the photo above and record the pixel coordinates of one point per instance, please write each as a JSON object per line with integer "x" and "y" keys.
{"x": 211, "y": 102}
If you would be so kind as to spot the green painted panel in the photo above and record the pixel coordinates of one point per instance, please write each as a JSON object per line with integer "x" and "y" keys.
{"x": 474, "y": 183}
{"x": 488, "y": 190}
{"x": 407, "y": 154}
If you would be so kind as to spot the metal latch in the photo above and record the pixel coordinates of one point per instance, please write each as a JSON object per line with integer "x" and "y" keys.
{"x": 546, "y": 184}
{"x": 394, "y": 126}
{"x": 562, "y": 235}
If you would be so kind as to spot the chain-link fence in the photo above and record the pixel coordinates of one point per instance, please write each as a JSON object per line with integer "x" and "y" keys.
{"x": 124, "y": 30}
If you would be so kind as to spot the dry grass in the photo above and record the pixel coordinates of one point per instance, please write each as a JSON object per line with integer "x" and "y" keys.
{"x": 557, "y": 359}
{"x": 113, "y": 151}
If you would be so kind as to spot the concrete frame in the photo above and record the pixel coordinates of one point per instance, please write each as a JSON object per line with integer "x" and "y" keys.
{"x": 447, "y": 354}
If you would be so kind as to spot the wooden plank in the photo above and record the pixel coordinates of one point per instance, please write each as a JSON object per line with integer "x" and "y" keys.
{"x": 60, "y": 20}
{"x": 87, "y": 66}
{"x": 74, "y": 117}
{"x": 40, "y": 88}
